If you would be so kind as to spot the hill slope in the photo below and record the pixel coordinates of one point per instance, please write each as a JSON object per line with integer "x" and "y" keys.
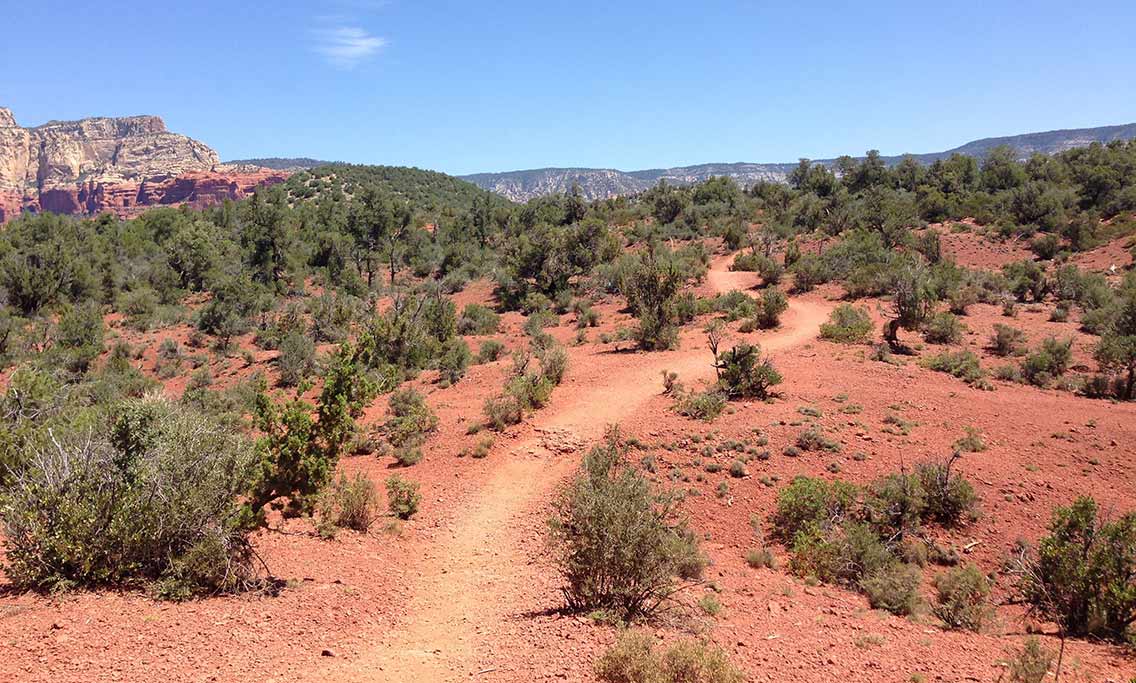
{"x": 426, "y": 190}
{"x": 600, "y": 183}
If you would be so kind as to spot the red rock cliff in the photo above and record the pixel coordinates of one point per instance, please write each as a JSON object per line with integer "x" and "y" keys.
{"x": 120, "y": 165}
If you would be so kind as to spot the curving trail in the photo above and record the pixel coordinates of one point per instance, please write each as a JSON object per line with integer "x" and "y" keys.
{"x": 466, "y": 585}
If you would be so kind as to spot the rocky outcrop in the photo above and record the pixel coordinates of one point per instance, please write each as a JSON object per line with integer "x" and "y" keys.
{"x": 121, "y": 165}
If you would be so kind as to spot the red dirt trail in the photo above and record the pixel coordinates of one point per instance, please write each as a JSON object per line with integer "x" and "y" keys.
{"x": 465, "y": 585}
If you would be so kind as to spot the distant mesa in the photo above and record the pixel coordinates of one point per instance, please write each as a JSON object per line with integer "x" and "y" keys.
{"x": 121, "y": 165}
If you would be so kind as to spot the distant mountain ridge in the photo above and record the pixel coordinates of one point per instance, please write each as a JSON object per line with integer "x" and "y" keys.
{"x": 291, "y": 164}
{"x": 600, "y": 183}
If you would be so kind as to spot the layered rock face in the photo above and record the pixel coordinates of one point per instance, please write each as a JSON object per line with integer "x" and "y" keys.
{"x": 121, "y": 165}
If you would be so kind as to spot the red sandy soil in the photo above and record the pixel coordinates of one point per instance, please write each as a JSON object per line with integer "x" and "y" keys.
{"x": 466, "y": 590}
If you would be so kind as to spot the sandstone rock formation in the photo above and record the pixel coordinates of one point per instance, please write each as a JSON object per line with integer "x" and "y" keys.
{"x": 122, "y": 165}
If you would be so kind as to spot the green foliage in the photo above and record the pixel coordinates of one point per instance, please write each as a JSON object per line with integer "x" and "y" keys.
{"x": 847, "y": 324}
{"x": 226, "y": 314}
{"x": 635, "y": 659}
{"x": 808, "y": 504}
{"x": 530, "y": 386}
{"x": 962, "y": 596}
{"x": 153, "y": 496}
{"x": 403, "y": 497}
{"x": 961, "y": 364}
{"x": 79, "y": 337}
{"x": 617, "y": 542}
{"x": 454, "y": 361}
{"x": 1045, "y": 247}
{"x": 743, "y": 373}
{"x": 651, "y": 286}
{"x": 769, "y": 309}
{"x": 912, "y": 300}
{"x": 1032, "y": 662}
{"x": 347, "y": 503}
{"x": 700, "y": 405}
{"x": 813, "y": 439}
{"x": 1116, "y": 352}
{"x": 1048, "y": 362}
{"x": 1084, "y": 572}
{"x": 893, "y": 587}
{"x": 298, "y": 452}
{"x": 410, "y": 421}
{"x": 332, "y": 316}
{"x": 1026, "y": 280}
{"x": 490, "y": 351}
{"x": 943, "y": 328}
{"x": 1007, "y": 341}
{"x": 950, "y": 499}
{"x": 839, "y": 533}
{"x": 296, "y": 360}
{"x": 478, "y": 320}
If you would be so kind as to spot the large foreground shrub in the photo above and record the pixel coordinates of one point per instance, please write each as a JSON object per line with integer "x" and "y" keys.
{"x": 1083, "y": 575}
{"x": 618, "y": 545}
{"x": 154, "y": 496}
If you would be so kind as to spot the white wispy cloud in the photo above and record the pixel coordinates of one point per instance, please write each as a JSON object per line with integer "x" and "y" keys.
{"x": 346, "y": 46}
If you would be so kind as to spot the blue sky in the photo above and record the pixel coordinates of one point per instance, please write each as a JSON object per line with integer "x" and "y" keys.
{"x": 463, "y": 87}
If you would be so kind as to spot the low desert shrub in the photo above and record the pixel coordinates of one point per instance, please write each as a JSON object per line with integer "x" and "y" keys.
{"x": 635, "y": 659}
{"x": 893, "y": 587}
{"x": 962, "y": 596}
{"x": 971, "y": 442}
{"x": 1007, "y": 341}
{"x": 848, "y": 324}
{"x": 453, "y": 361}
{"x": 961, "y": 364}
{"x": 348, "y": 504}
{"x": 700, "y": 405}
{"x": 843, "y": 553}
{"x": 586, "y": 316}
{"x": 743, "y": 373}
{"x": 769, "y": 309}
{"x": 760, "y": 557}
{"x": 502, "y": 411}
{"x": 530, "y": 386}
{"x": 1031, "y": 664}
{"x": 476, "y": 319}
{"x": 943, "y": 328}
{"x": 297, "y": 359}
{"x": 808, "y": 503}
{"x": 950, "y": 498}
{"x": 617, "y": 542}
{"x": 403, "y": 497}
{"x": 736, "y": 305}
{"x": 410, "y": 419}
{"x": 813, "y": 439}
{"x": 1050, "y": 361}
{"x": 490, "y": 351}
